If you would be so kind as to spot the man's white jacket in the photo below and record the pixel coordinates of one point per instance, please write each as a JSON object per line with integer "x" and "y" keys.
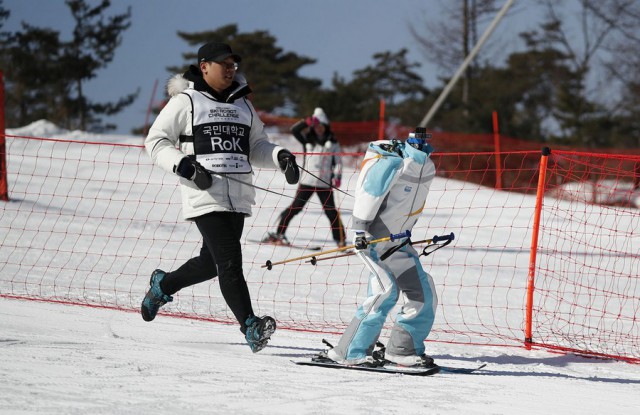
{"x": 168, "y": 143}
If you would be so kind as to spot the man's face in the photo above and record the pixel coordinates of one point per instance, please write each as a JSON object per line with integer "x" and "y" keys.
{"x": 219, "y": 75}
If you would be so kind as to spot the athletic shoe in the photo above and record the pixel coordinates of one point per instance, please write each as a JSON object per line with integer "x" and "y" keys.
{"x": 155, "y": 298}
{"x": 259, "y": 331}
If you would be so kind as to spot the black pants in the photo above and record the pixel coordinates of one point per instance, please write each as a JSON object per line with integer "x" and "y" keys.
{"x": 220, "y": 256}
{"x": 303, "y": 194}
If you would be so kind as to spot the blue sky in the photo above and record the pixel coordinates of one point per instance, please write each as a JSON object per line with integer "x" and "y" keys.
{"x": 342, "y": 35}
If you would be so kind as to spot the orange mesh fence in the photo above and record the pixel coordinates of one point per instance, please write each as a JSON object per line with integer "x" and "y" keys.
{"x": 87, "y": 223}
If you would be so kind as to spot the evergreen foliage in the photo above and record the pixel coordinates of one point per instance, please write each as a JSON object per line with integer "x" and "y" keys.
{"x": 271, "y": 72}
{"x": 539, "y": 92}
{"x": 45, "y": 75}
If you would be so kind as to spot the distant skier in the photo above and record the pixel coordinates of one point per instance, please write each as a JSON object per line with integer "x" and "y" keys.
{"x": 316, "y": 137}
{"x": 390, "y": 195}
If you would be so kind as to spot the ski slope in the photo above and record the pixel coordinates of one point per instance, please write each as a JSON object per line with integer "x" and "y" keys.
{"x": 62, "y": 359}
{"x": 59, "y": 359}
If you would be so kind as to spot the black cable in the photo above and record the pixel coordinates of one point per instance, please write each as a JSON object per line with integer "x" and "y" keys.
{"x": 328, "y": 184}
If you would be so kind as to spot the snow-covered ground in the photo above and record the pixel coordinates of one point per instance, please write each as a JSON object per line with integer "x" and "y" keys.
{"x": 64, "y": 359}
{"x": 60, "y": 359}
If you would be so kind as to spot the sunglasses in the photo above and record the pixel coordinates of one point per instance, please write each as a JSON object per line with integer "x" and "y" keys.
{"x": 229, "y": 66}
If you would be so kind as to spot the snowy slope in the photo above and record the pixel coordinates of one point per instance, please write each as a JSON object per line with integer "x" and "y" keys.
{"x": 68, "y": 359}
{"x": 59, "y": 359}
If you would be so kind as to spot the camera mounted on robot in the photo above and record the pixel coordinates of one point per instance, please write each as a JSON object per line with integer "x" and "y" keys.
{"x": 418, "y": 140}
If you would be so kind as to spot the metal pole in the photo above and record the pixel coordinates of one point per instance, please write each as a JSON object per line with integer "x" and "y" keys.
{"x": 149, "y": 109}
{"x": 467, "y": 61}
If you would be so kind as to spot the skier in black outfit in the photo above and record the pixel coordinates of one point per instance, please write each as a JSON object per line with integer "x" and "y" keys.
{"x": 317, "y": 139}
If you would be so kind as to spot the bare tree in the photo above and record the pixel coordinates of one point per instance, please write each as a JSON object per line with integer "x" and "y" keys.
{"x": 601, "y": 39}
{"x": 608, "y": 35}
{"x": 446, "y": 43}
{"x": 622, "y": 50}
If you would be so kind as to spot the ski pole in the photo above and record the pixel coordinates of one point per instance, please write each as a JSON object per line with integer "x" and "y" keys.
{"x": 447, "y": 240}
{"x": 406, "y": 234}
{"x": 431, "y": 242}
{"x": 314, "y": 260}
{"x": 436, "y": 239}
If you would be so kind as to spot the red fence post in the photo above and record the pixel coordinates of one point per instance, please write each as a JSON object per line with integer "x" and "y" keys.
{"x": 528, "y": 337}
{"x": 381, "y": 121}
{"x": 496, "y": 143}
{"x": 4, "y": 187}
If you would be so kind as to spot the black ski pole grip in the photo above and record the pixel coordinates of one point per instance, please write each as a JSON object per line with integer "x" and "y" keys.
{"x": 405, "y": 234}
{"x": 437, "y": 238}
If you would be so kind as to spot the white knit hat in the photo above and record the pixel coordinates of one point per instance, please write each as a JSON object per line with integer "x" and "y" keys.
{"x": 321, "y": 116}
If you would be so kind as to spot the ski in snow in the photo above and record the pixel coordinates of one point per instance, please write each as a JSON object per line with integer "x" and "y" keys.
{"x": 381, "y": 369}
{"x": 462, "y": 370}
{"x": 394, "y": 369}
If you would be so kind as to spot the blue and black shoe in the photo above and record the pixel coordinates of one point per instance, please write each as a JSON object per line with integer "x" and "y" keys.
{"x": 155, "y": 298}
{"x": 259, "y": 331}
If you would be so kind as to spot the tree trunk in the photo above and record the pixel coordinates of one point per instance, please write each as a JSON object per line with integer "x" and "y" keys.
{"x": 81, "y": 108}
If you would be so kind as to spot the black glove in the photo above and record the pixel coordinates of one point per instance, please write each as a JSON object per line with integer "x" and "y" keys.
{"x": 360, "y": 241}
{"x": 287, "y": 162}
{"x": 192, "y": 170}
